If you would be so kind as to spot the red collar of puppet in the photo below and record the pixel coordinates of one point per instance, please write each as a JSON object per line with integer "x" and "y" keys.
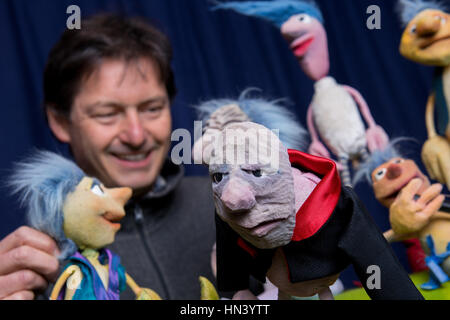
{"x": 321, "y": 203}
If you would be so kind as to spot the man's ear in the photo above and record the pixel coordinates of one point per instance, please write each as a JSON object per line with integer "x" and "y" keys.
{"x": 59, "y": 124}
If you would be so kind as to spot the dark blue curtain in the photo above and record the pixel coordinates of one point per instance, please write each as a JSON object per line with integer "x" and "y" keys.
{"x": 217, "y": 54}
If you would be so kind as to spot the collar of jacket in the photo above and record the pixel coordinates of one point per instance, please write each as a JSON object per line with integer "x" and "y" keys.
{"x": 319, "y": 206}
{"x": 167, "y": 180}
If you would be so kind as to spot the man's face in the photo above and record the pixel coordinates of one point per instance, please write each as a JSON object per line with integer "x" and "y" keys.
{"x": 120, "y": 124}
{"x": 426, "y": 39}
{"x": 392, "y": 176}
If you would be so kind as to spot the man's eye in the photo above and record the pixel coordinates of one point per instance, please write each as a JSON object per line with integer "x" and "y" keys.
{"x": 153, "y": 109}
{"x": 217, "y": 177}
{"x": 96, "y": 189}
{"x": 105, "y": 116}
{"x": 380, "y": 174}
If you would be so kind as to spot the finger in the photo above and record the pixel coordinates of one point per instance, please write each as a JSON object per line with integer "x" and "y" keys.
{"x": 410, "y": 190}
{"x": 22, "y": 295}
{"x": 430, "y": 193}
{"x": 26, "y": 257}
{"x": 29, "y": 237}
{"x": 22, "y": 280}
{"x": 433, "y": 206}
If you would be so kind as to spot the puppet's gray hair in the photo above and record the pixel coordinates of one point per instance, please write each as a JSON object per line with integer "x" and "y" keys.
{"x": 42, "y": 181}
{"x": 408, "y": 9}
{"x": 377, "y": 158}
{"x": 270, "y": 114}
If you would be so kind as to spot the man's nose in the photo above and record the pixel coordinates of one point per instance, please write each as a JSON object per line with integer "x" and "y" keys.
{"x": 133, "y": 132}
{"x": 427, "y": 27}
{"x": 393, "y": 171}
{"x": 238, "y": 195}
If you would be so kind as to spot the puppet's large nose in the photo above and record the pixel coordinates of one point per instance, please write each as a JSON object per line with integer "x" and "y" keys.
{"x": 393, "y": 171}
{"x": 122, "y": 195}
{"x": 238, "y": 195}
{"x": 428, "y": 27}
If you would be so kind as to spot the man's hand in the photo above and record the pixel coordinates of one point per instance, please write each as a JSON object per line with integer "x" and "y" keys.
{"x": 28, "y": 261}
{"x": 408, "y": 216}
{"x": 436, "y": 158}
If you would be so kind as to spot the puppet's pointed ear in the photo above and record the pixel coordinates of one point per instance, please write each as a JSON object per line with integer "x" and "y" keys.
{"x": 59, "y": 124}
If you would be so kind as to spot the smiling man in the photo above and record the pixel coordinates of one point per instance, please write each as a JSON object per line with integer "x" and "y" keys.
{"x": 107, "y": 93}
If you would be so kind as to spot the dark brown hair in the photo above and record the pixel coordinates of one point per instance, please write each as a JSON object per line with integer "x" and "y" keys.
{"x": 78, "y": 52}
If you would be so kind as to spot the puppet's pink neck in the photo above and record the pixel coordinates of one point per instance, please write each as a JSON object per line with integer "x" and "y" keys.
{"x": 304, "y": 184}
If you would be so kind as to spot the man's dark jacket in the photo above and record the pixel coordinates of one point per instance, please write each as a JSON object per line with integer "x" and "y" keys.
{"x": 167, "y": 236}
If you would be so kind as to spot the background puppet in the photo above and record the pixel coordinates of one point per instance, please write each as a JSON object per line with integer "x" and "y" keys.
{"x": 414, "y": 210}
{"x": 82, "y": 216}
{"x": 334, "y": 108}
{"x": 426, "y": 40}
{"x": 282, "y": 214}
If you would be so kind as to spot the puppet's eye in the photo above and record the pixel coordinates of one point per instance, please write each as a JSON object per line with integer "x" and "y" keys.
{"x": 380, "y": 174}
{"x": 304, "y": 18}
{"x": 257, "y": 173}
{"x": 397, "y": 161}
{"x": 217, "y": 177}
{"x": 413, "y": 29}
{"x": 96, "y": 189}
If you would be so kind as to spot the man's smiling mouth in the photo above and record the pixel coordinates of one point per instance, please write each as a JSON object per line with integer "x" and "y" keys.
{"x": 133, "y": 157}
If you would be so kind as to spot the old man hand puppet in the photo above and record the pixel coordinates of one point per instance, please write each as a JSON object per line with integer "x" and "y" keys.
{"x": 284, "y": 214}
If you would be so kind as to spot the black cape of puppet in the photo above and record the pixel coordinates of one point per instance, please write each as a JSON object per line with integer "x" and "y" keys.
{"x": 332, "y": 231}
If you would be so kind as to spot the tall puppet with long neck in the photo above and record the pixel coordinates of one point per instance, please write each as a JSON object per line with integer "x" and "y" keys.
{"x": 426, "y": 40}
{"x": 333, "y": 113}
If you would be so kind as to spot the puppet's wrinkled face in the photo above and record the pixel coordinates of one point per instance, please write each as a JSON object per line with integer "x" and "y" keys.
{"x": 427, "y": 38}
{"x": 390, "y": 178}
{"x": 256, "y": 198}
{"x": 308, "y": 41}
{"x": 92, "y": 212}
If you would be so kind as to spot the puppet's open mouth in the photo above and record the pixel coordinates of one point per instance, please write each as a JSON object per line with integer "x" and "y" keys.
{"x": 301, "y": 45}
{"x": 429, "y": 44}
{"x": 113, "y": 218}
{"x": 265, "y": 227}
